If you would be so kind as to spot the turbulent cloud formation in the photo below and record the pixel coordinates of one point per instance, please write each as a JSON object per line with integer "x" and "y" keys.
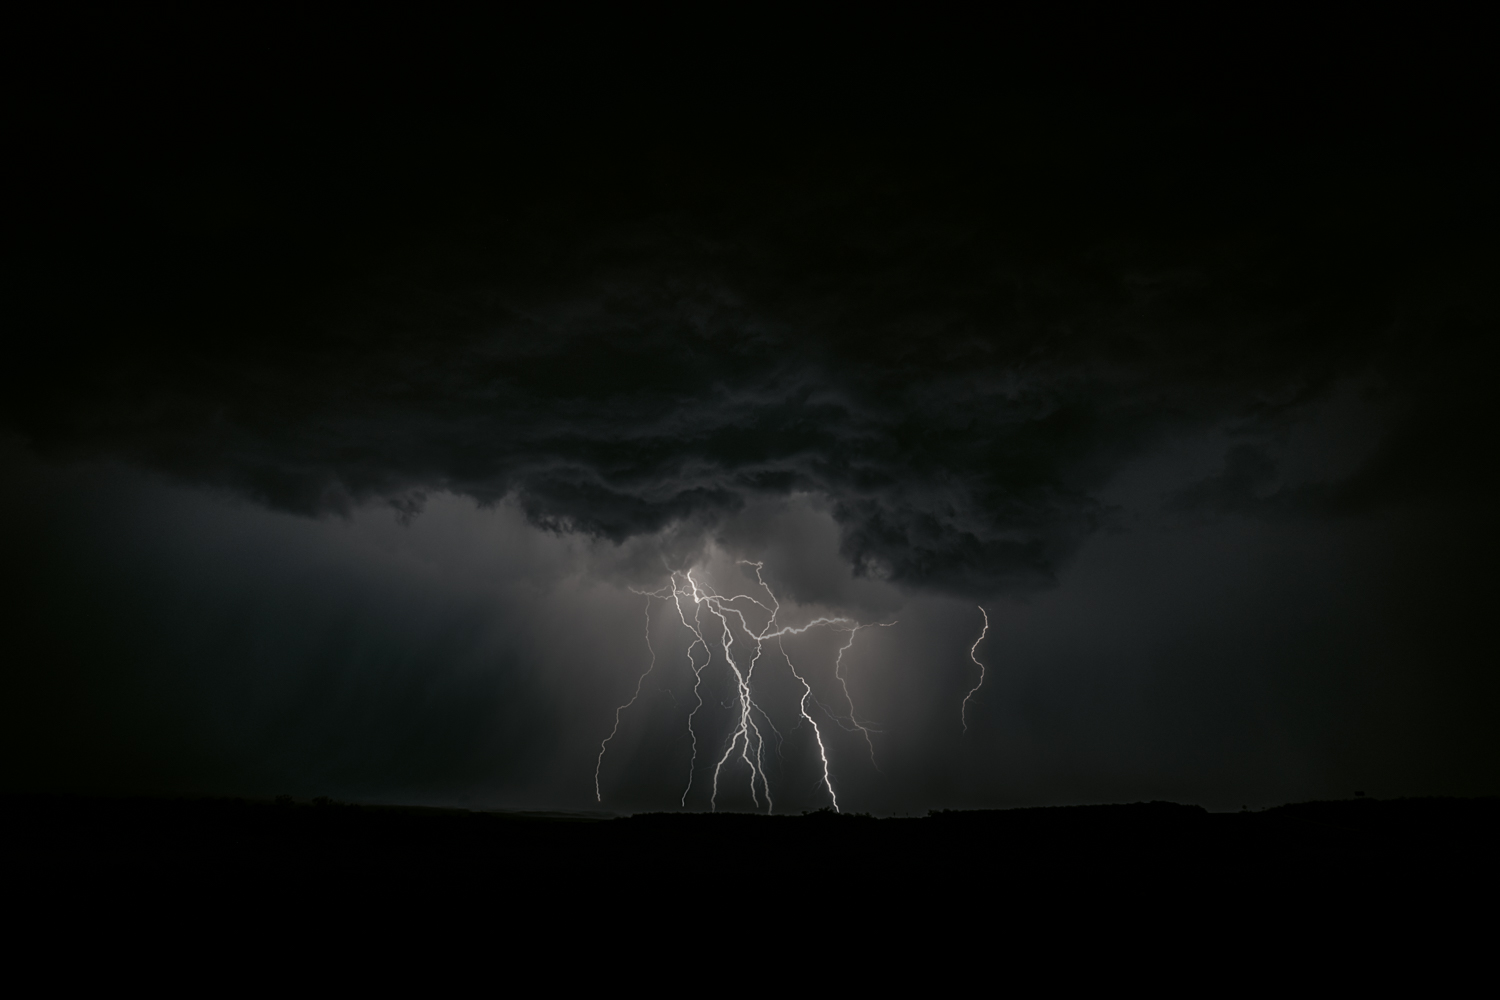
{"x": 338, "y": 421}
{"x": 956, "y": 331}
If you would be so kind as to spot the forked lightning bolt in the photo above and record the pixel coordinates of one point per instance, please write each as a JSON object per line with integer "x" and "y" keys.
{"x": 746, "y": 740}
{"x": 963, "y": 710}
{"x": 838, "y": 671}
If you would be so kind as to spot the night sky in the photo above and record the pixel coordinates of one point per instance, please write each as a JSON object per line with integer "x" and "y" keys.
{"x": 348, "y": 401}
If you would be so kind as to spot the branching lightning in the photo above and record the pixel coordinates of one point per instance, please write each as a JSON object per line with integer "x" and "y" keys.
{"x": 838, "y": 671}
{"x": 964, "y": 709}
{"x": 746, "y": 740}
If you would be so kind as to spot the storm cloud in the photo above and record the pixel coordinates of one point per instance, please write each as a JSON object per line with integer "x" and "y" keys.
{"x": 958, "y": 330}
{"x": 339, "y": 421}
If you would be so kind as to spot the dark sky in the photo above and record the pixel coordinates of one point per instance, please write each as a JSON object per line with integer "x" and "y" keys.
{"x": 349, "y": 397}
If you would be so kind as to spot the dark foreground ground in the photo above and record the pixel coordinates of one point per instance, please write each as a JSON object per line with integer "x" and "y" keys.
{"x": 204, "y": 885}
{"x": 1317, "y": 872}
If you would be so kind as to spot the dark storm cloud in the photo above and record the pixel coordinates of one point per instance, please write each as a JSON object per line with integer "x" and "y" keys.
{"x": 957, "y": 330}
{"x": 1208, "y": 349}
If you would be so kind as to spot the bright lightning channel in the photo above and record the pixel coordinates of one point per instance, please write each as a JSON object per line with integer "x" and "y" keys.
{"x": 746, "y": 740}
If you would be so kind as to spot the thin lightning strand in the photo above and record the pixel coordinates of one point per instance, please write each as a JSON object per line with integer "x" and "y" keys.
{"x": 604, "y": 744}
{"x": 843, "y": 682}
{"x": 697, "y": 681}
{"x": 963, "y": 709}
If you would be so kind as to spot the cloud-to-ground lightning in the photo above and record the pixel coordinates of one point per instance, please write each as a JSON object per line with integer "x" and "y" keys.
{"x": 746, "y": 739}
{"x": 697, "y": 677}
{"x": 817, "y": 733}
{"x": 604, "y": 744}
{"x": 964, "y": 709}
{"x": 838, "y": 671}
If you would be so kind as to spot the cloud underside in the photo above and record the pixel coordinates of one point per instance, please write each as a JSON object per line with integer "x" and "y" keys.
{"x": 959, "y": 374}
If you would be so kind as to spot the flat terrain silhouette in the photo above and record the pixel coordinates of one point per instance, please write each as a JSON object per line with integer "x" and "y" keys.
{"x": 337, "y": 855}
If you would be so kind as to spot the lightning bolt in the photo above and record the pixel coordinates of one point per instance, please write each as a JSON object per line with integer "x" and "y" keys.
{"x": 963, "y": 710}
{"x": 697, "y": 678}
{"x": 838, "y": 671}
{"x": 746, "y": 739}
{"x": 604, "y": 744}
{"x": 817, "y": 733}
